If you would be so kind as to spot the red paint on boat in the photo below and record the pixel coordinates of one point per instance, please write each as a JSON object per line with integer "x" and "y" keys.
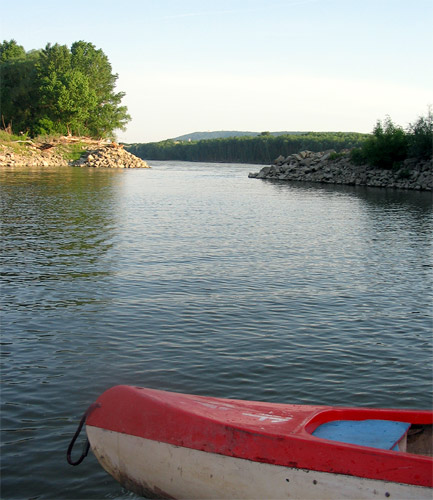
{"x": 277, "y": 434}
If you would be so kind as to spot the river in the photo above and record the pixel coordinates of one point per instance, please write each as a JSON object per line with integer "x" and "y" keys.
{"x": 191, "y": 277}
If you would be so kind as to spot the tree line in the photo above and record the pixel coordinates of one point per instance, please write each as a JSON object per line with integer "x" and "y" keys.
{"x": 263, "y": 148}
{"x": 59, "y": 90}
{"x": 386, "y": 147}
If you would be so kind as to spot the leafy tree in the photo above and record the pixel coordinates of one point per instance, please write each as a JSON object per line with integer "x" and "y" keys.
{"x": 57, "y": 90}
{"x": 11, "y": 50}
{"x": 107, "y": 113}
{"x": 17, "y": 85}
{"x": 65, "y": 97}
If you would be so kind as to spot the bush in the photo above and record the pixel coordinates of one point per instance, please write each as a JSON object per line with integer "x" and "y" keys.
{"x": 358, "y": 157}
{"x": 337, "y": 156}
{"x": 387, "y": 146}
{"x": 420, "y": 137}
{"x": 390, "y": 145}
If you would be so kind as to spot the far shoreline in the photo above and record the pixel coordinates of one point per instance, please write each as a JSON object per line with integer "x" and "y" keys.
{"x": 326, "y": 167}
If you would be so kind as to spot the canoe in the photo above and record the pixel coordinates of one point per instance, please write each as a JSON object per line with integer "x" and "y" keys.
{"x": 168, "y": 445}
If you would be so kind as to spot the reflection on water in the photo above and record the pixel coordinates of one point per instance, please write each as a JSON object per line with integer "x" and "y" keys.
{"x": 192, "y": 277}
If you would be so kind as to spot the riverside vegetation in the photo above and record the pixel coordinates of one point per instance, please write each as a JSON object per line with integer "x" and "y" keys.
{"x": 58, "y": 90}
{"x": 390, "y": 157}
{"x": 261, "y": 148}
{"x": 64, "y": 93}
{"x": 59, "y": 107}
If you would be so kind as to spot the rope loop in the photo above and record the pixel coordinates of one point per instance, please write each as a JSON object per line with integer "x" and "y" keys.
{"x": 86, "y": 446}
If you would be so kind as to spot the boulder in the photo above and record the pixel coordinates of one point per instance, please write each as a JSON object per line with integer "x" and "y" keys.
{"x": 280, "y": 160}
{"x": 110, "y": 156}
{"x": 319, "y": 167}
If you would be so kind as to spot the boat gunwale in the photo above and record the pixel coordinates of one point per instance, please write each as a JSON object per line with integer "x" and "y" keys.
{"x": 298, "y": 448}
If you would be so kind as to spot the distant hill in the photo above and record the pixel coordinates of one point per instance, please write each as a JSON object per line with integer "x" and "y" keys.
{"x": 224, "y": 134}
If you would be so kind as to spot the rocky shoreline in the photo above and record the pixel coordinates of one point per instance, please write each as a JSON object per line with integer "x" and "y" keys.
{"x": 96, "y": 154}
{"x": 330, "y": 167}
{"x": 111, "y": 156}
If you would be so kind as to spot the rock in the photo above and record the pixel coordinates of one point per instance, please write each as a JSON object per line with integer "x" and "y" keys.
{"x": 263, "y": 173}
{"x": 318, "y": 167}
{"x": 306, "y": 154}
{"x": 107, "y": 156}
{"x": 110, "y": 156}
{"x": 326, "y": 155}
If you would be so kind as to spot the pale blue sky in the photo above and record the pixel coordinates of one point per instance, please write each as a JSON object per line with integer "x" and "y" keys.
{"x": 197, "y": 65}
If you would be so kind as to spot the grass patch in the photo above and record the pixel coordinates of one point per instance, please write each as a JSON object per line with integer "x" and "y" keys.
{"x": 71, "y": 152}
{"x": 17, "y": 144}
{"x": 337, "y": 156}
{"x": 20, "y": 145}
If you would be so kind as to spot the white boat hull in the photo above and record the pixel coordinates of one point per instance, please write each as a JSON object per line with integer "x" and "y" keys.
{"x": 161, "y": 470}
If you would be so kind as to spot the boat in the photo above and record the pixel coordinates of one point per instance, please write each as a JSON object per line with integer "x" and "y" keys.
{"x": 162, "y": 444}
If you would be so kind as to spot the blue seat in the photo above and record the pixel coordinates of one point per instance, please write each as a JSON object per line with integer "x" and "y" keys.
{"x": 383, "y": 434}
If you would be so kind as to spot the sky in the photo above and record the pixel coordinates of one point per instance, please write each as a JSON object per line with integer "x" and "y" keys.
{"x": 251, "y": 65}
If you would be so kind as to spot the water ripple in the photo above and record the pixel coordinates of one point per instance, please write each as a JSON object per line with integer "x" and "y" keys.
{"x": 192, "y": 277}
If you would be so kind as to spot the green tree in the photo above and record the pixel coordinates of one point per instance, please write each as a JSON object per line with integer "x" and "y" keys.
{"x": 11, "y": 50}
{"x": 60, "y": 90}
{"x": 65, "y": 97}
{"x": 107, "y": 114}
{"x": 18, "y": 93}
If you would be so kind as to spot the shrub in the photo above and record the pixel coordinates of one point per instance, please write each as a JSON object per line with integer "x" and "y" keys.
{"x": 337, "y": 156}
{"x": 358, "y": 157}
{"x": 387, "y": 146}
{"x": 420, "y": 137}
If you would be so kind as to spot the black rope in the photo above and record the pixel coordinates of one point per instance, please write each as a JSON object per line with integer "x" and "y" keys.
{"x": 86, "y": 446}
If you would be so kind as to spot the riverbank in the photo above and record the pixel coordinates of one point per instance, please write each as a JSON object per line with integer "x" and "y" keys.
{"x": 330, "y": 167}
{"x": 67, "y": 151}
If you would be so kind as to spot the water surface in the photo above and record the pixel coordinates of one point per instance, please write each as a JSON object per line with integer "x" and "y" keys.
{"x": 194, "y": 278}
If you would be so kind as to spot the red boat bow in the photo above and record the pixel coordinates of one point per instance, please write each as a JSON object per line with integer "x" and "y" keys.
{"x": 277, "y": 434}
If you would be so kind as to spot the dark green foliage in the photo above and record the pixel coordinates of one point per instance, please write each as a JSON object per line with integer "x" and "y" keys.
{"x": 420, "y": 137}
{"x": 390, "y": 145}
{"x": 258, "y": 149}
{"x": 18, "y": 91}
{"x": 60, "y": 90}
{"x": 358, "y": 157}
{"x": 387, "y": 146}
